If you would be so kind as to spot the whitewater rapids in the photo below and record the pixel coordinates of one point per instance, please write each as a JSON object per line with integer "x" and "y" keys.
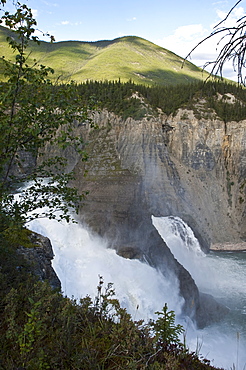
{"x": 80, "y": 257}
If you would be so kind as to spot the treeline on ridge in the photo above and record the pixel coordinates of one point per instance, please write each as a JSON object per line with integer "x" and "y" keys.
{"x": 128, "y": 99}
{"x": 138, "y": 101}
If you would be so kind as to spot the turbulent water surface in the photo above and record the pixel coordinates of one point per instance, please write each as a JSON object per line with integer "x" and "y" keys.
{"x": 81, "y": 257}
{"x": 221, "y": 274}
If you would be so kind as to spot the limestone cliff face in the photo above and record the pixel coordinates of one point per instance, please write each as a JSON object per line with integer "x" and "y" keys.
{"x": 181, "y": 166}
{"x": 210, "y": 157}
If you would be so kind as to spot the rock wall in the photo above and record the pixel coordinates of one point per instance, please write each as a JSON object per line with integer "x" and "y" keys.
{"x": 181, "y": 166}
{"x": 39, "y": 258}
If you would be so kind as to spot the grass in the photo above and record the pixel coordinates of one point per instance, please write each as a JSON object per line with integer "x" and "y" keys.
{"x": 123, "y": 58}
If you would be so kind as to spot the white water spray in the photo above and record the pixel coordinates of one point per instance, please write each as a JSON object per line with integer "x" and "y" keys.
{"x": 213, "y": 273}
{"x": 81, "y": 257}
{"x": 222, "y": 275}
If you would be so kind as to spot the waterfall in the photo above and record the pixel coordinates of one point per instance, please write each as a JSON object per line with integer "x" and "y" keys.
{"x": 217, "y": 274}
{"x": 224, "y": 276}
{"x": 80, "y": 257}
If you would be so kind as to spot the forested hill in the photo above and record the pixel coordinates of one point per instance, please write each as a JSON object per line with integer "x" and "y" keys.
{"x": 227, "y": 100}
{"x": 123, "y": 58}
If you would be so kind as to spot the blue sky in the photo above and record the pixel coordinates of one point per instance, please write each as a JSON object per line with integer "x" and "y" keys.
{"x": 174, "y": 24}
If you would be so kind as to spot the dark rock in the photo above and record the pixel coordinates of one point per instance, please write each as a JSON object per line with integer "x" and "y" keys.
{"x": 209, "y": 311}
{"x": 130, "y": 252}
{"x": 202, "y": 157}
{"x": 24, "y": 165}
{"x": 40, "y": 256}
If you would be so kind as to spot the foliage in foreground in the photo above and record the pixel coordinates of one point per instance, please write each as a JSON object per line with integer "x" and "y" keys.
{"x": 34, "y": 114}
{"x": 42, "y": 329}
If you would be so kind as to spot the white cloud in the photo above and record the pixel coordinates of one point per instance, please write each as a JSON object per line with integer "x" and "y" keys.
{"x": 35, "y": 13}
{"x": 220, "y": 2}
{"x": 189, "y": 32}
{"x": 231, "y": 21}
{"x": 68, "y": 23}
{"x": 131, "y": 19}
{"x": 50, "y": 4}
{"x": 185, "y": 38}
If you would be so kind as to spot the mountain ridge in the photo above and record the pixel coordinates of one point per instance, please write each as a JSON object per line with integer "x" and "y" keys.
{"x": 125, "y": 58}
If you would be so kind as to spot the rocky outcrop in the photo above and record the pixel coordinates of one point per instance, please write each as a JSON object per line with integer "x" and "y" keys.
{"x": 229, "y": 247}
{"x": 210, "y": 157}
{"x": 181, "y": 166}
{"x": 39, "y": 256}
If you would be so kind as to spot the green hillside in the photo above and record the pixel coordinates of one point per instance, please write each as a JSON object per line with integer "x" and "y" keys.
{"x": 124, "y": 58}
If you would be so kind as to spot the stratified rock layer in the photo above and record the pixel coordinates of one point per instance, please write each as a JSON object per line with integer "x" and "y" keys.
{"x": 181, "y": 166}
{"x": 194, "y": 169}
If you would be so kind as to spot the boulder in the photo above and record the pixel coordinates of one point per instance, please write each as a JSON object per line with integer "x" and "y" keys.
{"x": 39, "y": 257}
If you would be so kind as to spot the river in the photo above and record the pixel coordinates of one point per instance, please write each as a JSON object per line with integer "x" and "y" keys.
{"x": 81, "y": 257}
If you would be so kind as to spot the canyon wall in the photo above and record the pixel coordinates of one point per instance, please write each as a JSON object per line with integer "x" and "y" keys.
{"x": 183, "y": 166}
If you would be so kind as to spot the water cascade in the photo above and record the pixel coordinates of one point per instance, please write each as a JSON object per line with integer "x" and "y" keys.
{"x": 81, "y": 257}
{"x": 221, "y": 274}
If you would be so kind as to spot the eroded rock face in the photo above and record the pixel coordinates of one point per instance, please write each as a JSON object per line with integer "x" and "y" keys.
{"x": 180, "y": 166}
{"x": 39, "y": 257}
{"x": 194, "y": 169}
